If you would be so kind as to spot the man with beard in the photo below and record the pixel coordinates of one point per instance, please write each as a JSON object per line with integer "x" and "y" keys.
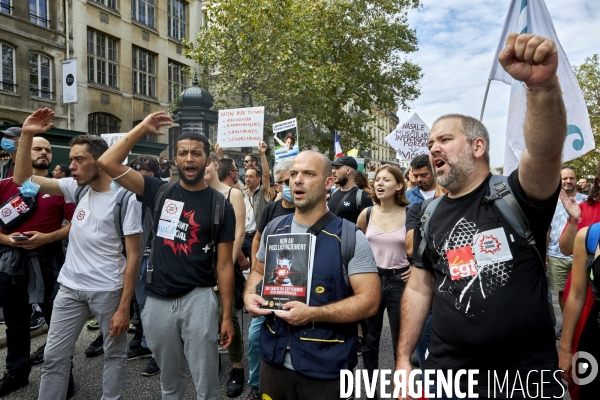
{"x": 559, "y": 265}
{"x": 423, "y": 174}
{"x": 486, "y": 283}
{"x": 44, "y": 232}
{"x": 181, "y": 312}
{"x": 584, "y": 185}
{"x": 256, "y": 195}
{"x": 304, "y": 348}
{"x": 343, "y": 201}
{"x": 95, "y": 279}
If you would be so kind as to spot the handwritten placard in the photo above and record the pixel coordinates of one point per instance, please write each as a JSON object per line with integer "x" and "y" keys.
{"x": 410, "y": 138}
{"x": 241, "y": 127}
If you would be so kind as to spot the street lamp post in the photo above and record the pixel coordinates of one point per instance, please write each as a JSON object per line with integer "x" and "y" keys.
{"x": 194, "y": 112}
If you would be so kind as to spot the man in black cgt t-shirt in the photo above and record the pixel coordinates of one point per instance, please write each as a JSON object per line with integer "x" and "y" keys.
{"x": 486, "y": 284}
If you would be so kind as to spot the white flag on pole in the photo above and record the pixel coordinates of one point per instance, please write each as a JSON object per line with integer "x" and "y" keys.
{"x": 532, "y": 16}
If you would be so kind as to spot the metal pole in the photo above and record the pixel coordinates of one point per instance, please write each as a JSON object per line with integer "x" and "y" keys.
{"x": 68, "y": 55}
{"x": 487, "y": 89}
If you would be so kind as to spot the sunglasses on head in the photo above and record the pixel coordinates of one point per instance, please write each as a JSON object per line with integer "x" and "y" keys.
{"x": 285, "y": 182}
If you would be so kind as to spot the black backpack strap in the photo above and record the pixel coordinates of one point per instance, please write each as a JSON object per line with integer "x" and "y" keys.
{"x": 337, "y": 209}
{"x": 359, "y": 194}
{"x": 505, "y": 202}
{"x": 322, "y": 223}
{"x": 80, "y": 192}
{"x": 348, "y": 244}
{"x": 120, "y": 211}
{"x": 159, "y": 201}
{"x": 369, "y": 210}
{"x": 425, "y": 222}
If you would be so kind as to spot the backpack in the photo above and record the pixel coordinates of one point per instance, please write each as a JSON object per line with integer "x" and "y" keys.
{"x": 348, "y": 239}
{"x": 119, "y": 209}
{"x": 359, "y": 193}
{"x": 505, "y": 202}
{"x": 592, "y": 239}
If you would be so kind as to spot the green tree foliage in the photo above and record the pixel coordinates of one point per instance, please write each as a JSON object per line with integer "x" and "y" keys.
{"x": 325, "y": 62}
{"x": 588, "y": 76}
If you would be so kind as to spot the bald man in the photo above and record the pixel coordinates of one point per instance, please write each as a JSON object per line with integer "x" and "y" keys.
{"x": 41, "y": 246}
{"x": 341, "y": 296}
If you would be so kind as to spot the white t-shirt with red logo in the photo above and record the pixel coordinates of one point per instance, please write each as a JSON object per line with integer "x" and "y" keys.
{"x": 94, "y": 260}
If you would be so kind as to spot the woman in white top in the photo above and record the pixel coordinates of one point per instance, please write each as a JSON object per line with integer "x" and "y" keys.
{"x": 384, "y": 227}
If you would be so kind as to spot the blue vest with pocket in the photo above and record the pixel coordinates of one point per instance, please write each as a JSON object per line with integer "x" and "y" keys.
{"x": 318, "y": 350}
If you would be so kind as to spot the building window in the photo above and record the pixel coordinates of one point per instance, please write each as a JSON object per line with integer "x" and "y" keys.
{"x": 38, "y": 12}
{"x": 143, "y": 11}
{"x": 7, "y": 72}
{"x": 102, "y": 59}
{"x": 143, "y": 72}
{"x": 176, "y": 19}
{"x": 40, "y": 81}
{"x": 5, "y": 6}
{"x": 102, "y": 123}
{"x": 177, "y": 80}
{"x": 108, "y": 3}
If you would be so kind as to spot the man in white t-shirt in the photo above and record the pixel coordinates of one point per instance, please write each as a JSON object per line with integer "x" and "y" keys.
{"x": 95, "y": 279}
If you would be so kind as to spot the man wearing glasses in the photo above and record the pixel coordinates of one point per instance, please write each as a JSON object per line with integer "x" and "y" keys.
{"x": 256, "y": 195}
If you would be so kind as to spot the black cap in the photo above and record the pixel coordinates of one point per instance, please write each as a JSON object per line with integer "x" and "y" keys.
{"x": 347, "y": 161}
{"x": 15, "y": 131}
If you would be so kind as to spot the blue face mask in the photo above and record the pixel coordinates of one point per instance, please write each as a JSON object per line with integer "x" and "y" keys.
{"x": 29, "y": 188}
{"x": 8, "y": 145}
{"x": 287, "y": 193}
{"x": 114, "y": 186}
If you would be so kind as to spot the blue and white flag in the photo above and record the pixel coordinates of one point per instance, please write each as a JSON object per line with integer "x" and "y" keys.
{"x": 532, "y": 16}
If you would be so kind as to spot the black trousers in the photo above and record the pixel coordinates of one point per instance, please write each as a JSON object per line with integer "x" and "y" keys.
{"x": 17, "y": 311}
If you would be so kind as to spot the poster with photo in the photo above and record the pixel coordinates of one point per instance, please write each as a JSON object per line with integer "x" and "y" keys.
{"x": 285, "y": 136}
{"x": 288, "y": 269}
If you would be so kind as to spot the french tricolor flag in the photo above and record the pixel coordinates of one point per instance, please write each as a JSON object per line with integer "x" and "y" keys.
{"x": 337, "y": 148}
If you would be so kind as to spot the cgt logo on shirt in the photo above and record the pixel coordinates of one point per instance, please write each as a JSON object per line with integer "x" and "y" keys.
{"x": 461, "y": 263}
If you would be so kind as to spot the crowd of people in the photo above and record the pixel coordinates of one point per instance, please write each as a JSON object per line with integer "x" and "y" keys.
{"x": 463, "y": 262}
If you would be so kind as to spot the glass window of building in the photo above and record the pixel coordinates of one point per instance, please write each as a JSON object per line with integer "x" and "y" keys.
{"x": 7, "y": 71}
{"x": 38, "y": 12}
{"x": 143, "y": 11}
{"x": 102, "y": 59}
{"x": 40, "y": 78}
{"x": 177, "y": 19}
{"x": 102, "y": 123}
{"x": 143, "y": 72}
{"x": 177, "y": 80}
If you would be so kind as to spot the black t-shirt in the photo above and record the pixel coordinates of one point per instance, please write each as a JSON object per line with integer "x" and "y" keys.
{"x": 411, "y": 215}
{"x": 490, "y": 308}
{"x": 185, "y": 263}
{"x": 348, "y": 210}
{"x": 164, "y": 170}
{"x": 279, "y": 210}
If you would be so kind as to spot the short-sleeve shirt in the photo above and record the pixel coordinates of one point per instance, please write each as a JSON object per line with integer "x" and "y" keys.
{"x": 279, "y": 210}
{"x": 48, "y": 215}
{"x": 348, "y": 210}
{"x": 185, "y": 263}
{"x": 490, "y": 305}
{"x": 94, "y": 260}
{"x": 556, "y": 228}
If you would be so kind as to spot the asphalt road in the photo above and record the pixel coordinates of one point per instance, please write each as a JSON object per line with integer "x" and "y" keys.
{"x": 88, "y": 371}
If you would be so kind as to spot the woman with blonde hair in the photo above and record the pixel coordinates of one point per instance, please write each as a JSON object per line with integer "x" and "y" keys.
{"x": 385, "y": 229}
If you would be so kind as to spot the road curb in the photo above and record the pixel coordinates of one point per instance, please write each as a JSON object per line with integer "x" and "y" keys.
{"x": 42, "y": 330}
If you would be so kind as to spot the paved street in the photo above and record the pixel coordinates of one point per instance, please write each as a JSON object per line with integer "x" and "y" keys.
{"x": 88, "y": 371}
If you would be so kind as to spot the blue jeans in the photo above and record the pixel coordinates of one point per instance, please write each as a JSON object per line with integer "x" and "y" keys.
{"x": 424, "y": 341}
{"x": 392, "y": 288}
{"x": 254, "y": 351}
